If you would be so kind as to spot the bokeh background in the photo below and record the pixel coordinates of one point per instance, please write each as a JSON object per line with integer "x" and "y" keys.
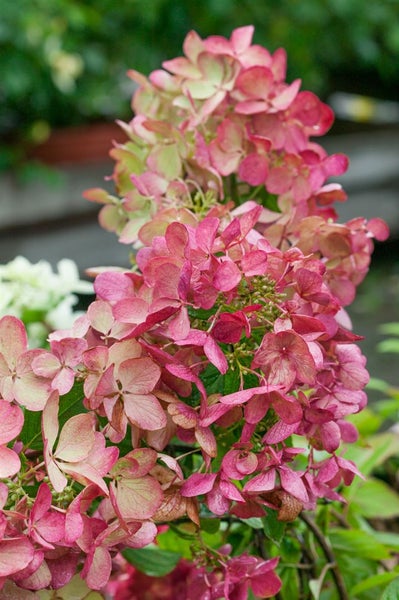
{"x": 63, "y": 83}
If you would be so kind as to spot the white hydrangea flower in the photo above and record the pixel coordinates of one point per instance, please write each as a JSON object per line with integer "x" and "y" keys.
{"x": 40, "y": 297}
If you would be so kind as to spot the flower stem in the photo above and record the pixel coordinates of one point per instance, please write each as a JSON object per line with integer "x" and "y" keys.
{"x": 329, "y": 554}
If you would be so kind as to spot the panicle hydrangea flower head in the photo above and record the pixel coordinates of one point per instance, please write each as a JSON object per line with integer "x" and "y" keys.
{"x": 205, "y": 381}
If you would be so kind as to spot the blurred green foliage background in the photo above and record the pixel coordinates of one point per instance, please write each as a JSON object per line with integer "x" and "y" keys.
{"x": 64, "y": 62}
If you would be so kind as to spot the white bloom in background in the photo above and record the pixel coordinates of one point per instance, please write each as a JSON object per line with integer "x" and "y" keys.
{"x": 41, "y": 298}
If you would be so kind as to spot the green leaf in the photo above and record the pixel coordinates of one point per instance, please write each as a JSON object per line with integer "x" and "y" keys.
{"x": 388, "y": 538}
{"x": 210, "y": 525}
{"x": 392, "y": 591}
{"x": 377, "y": 384}
{"x": 389, "y": 408}
{"x": 231, "y": 381}
{"x": 213, "y": 380}
{"x": 71, "y": 404}
{"x": 291, "y": 584}
{"x": 152, "y": 561}
{"x": 375, "y": 499}
{"x": 367, "y": 422}
{"x": 273, "y": 528}
{"x": 357, "y": 543}
{"x": 253, "y": 522}
{"x": 379, "y": 448}
{"x": 389, "y": 328}
{"x": 31, "y": 434}
{"x": 373, "y": 581}
{"x": 170, "y": 540}
{"x": 201, "y": 313}
{"x": 390, "y": 345}
{"x": 289, "y": 549}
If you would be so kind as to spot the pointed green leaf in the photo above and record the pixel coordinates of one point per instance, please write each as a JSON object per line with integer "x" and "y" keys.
{"x": 392, "y": 591}
{"x": 152, "y": 561}
{"x": 388, "y": 538}
{"x": 379, "y": 448}
{"x": 172, "y": 541}
{"x": 31, "y": 431}
{"x": 273, "y": 528}
{"x": 357, "y": 543}
{"x": 253, "y": 522}
{"x": 375, "y": 499}
{"x": 231, "y": 381}
{"x": 373, "y": 581}
{"x": 210, "y": 525}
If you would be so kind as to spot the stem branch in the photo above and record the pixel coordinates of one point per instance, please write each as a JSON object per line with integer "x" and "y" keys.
{"x": 329, "y": 554}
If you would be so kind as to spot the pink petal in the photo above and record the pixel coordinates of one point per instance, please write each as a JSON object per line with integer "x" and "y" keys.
{"x": 137, "y": 499}
{"x": 183, "y": 415}
{"x": 255, "y": 82}
{"x": 230, "y": 491}
{"x": 31, "y": 568}
{"x": 69, "y": 350}
{"x": 254, "y": 169}
{"x": 241, "y": 38}
{"x": 179, "y": 325}
{"x": 213, "y": 413}
{"x": 131, "y": 310}
{"x": 227, "y": 276}
{"x": 56, "y": 476}
{"x": 30, "y": 390}
{"x": 217, "y": 503}
{"x": 206, "y": 440}
{"x": 13, "y": 339}
{"x": 215, "y": 355}
{"x": 62, "y": 569}
{"x": 85, "y": 474}
{"x": 63, "y": 381}
{"x": 39, "y": 579}
{"x": 229, "y": 328}
{"x": 100, "y": 316}
{"x": 42, "y": 502}
{"x": 113, "y": 286}
{"x": 51, "y": 527}
{"x": 50, "y": 420}
{"x": 261, "y": 483}
{"x": 97, "y": 569}
{"x": 46, "y": 365}
{"x": 244, "y": 395}
{"x": 144, "y": 411}
{"x": 144, "y": 536}
{"x": 11, "y": 421}
{"x": 251, "y": 107}
{"x": 254, "y": 263}
{"x": 278, "y": 432}
{"x": 266, "y": 585}
{"x": 198, "y": 483}
{"x": 206, "y": 232}
{"x": 142, "y": 461}
{"x": 292, "y": 482}
{"x": 139, "y": 375}
{"x": 287, "y": 407}
{"x": 10, "y": 463}
{"x": 282, "y": 101}
{"x": 15, "y": 555}
{"x": 379, "y": 229}
{"x": 101, "y": 458}
{"x": 76, "y": 438}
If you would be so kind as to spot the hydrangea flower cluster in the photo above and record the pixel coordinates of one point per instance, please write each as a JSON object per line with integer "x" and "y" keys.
{"x": 214, "y": 377}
